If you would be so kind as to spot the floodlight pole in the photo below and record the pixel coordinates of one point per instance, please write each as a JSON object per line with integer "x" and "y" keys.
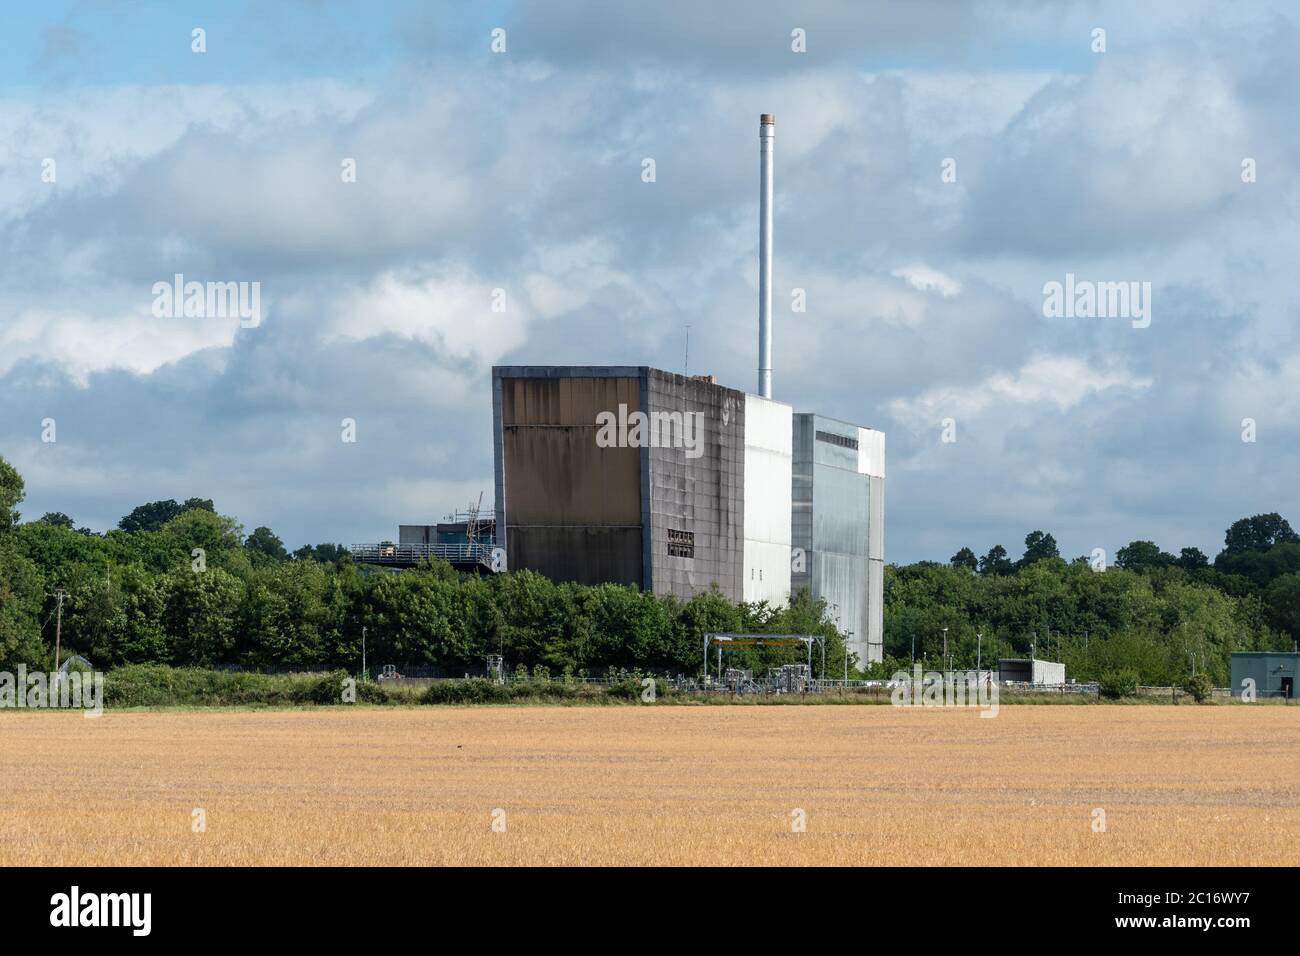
{"x": 58, "y": 630}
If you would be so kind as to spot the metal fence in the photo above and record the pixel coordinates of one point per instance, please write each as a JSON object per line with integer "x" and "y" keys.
{"x": 410, "y": 554}
{"x": 774, "y": 684}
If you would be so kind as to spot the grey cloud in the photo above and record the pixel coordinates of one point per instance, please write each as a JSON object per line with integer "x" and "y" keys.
{"x": 525, "y": 175}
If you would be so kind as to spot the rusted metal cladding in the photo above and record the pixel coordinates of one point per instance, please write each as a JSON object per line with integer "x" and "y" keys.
{"x": 571, "y": 509}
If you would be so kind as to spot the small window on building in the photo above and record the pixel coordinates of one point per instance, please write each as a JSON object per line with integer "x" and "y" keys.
{"x": 681, "y": 544}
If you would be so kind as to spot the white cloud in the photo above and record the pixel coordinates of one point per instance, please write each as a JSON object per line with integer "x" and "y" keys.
{"x": 1061, "y": 381}
{"x": 451, "y": 311}
{"x": 923, "y": 277}
{"x": 83, "y": 343}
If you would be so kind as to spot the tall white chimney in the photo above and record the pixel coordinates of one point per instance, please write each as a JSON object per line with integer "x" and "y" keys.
{"x": 766, "y": 142}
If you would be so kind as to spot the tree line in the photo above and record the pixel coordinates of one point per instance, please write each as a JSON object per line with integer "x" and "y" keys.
{"x": 178, "y": 583}
{"x": 1155, "y": 613}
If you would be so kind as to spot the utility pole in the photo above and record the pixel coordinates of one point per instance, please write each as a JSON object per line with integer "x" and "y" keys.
{"x": 979, "y": 647}
{"x": 947, "y": 662}
{"x": 363, "y": 653}
{"x": 58, "y": 630}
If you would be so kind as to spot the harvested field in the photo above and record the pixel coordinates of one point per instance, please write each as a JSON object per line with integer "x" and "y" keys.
{"x": 653, "y": 785}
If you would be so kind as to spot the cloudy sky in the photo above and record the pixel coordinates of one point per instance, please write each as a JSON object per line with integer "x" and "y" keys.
{"x": 522, "y": 170}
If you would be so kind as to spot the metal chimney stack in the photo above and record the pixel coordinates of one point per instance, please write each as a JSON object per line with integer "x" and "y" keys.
{"x": 766, "y": 142}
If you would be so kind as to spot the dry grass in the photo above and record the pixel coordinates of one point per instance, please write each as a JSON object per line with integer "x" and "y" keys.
{"x": 647, "y": 785}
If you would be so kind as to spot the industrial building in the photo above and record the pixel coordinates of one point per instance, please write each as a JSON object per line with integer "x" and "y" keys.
{"x": 1273, "y": 672}
{"x": 688, "y": 487}
{"x": 1025, "y": 670}
{"x": 676, "y": 484}
{"x": 838, "y": 524}
{"x": 636, "y": 475}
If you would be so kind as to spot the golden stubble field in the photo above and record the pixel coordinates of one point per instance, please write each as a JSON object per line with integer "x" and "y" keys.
{"x": 877, "y": 785}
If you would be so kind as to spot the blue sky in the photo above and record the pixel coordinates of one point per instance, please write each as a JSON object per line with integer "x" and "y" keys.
{"x": 521, "y": 171}
{"x": 105, "y": 42}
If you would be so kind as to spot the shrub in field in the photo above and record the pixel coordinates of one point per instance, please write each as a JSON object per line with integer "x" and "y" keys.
{"x": 328, "y": 689}
{"x": 473, "y": 691}
{"x": 631, "y": 689}
{"x": 157, "y": 685}
{"x": 544, "y": 691}
{"x": 1118, "y": 683}
{"x": 624, "y": 690}
{"x": 1199, "y": 686}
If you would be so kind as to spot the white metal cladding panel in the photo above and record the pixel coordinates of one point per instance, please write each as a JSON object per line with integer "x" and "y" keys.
{"x": 768, "y": 479}
{"x": 1048, "y": 672}
{"x": 767, "y": 572}
{"x": 768, "y": 476}
{"x": 839, "y": 510}
{"x": 875, "y": 610}
{"x": 871, "y": 452}
{"x": 876, "y": 520}
{"x": 841, "y": 581}
{"x": 768, "y": 424}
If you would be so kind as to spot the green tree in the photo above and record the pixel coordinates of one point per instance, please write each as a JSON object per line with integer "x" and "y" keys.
{"x": 996, "y": 562}
{"x": 21, "y": 595}
{"x": 324, "y": 553}
{"x": 151, "y": 516}
{"x": 1038, "y": 546}
{"x": 201, "y": 616}
{"x": 11, "y": 494}
{"x": 58, "y": 519}
{"x": 1258, "y": 533}
{"x": 264, "y": 543}
{"x": 128, "y": 613}
{"x": 155, "y": 514}
{"x": 1142, "y": 556}
{"x": 1283, "y": 602}
{"x": 965, "y": 558}
{"x": 217, "y": 537}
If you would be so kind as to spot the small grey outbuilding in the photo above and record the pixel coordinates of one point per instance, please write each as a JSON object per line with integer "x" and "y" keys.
{"x": 1273, "y": 672}
{"x": 1026, "y": 670}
